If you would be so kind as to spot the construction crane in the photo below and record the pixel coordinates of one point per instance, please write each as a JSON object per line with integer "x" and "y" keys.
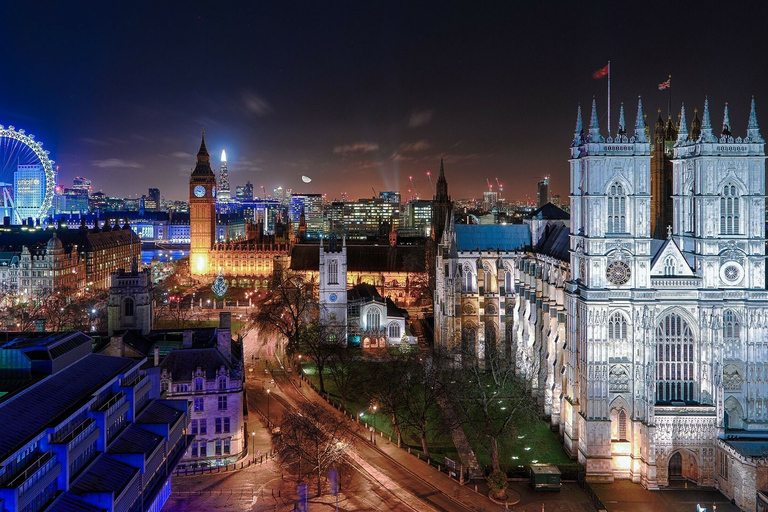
{"x": 499, "y": 186}
{"x": 431, "y": 185}
{"x": 490, "y": 187}
{"x": 413, "y": 185}
{"x": 264, "y": 191}
{"x": 374, "y": 192}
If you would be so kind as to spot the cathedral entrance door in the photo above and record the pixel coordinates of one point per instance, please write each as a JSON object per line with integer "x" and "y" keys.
{"x": 676, "y": 466}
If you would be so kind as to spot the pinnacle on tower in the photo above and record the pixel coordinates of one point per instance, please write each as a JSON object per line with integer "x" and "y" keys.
{"x": 706, "y": 124}
{"x": 578, "y": 135}
{"x": 640, "y": 135}
{"x": 203, "y": 152}
{"x": 726, "y": 121}
{"x": 622, "y": 126}
{"x": 753, "y": 131}
{"x": 594, "y": 128}
{"x": 682, "y": 129}
{"x": 203, "y": 166}
{"x": 695, "y": 125}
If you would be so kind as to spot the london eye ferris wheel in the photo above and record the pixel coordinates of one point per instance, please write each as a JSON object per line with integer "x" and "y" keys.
{"x": 27, "y": 176}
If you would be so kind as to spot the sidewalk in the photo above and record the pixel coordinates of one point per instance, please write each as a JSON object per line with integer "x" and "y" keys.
{"x": 463, "y": 495}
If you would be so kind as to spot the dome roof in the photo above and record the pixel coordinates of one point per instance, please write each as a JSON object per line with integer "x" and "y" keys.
{"x": 54, "y": 243}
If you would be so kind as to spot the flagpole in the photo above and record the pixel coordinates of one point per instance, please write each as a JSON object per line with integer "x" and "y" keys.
{"x": 669, "y": 108}
{"x": 609, "y": 98}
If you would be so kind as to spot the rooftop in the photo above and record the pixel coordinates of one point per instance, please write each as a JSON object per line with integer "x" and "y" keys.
{"x": 495, "y": 237}
{"x": 105, "y": 475}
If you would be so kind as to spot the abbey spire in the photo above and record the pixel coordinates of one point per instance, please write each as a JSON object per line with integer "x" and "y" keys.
{"x": 726, "y": 121}
{"x": 640, "y": 135}
{"x": 753, "y": 131}
{"x": 622, "y": 130}
{"x": 706, "y": 124}
{"x": 578, "y": 134}
{"x": 594, "y": 128}
{"x": 682, "y": 129}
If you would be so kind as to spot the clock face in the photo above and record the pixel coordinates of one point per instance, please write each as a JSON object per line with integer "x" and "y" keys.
{"x": 332, "y": 297}
{"x": 618, "y": 273}
{"x": 199, "y": 191}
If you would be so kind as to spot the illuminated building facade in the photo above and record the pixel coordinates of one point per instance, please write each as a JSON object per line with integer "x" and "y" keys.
{"x": 29, "y": 190}
{"x": 223, "y": 195}
{"x": 649, "y": 356}
{"x": 202, "y": 213}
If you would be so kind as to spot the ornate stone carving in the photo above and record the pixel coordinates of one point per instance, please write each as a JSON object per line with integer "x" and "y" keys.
{"x": 732, "y": 378}
{"x": 618, "y": 381}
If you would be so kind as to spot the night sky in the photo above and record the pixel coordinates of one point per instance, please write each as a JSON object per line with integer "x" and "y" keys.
{"x": 358, "y": 95}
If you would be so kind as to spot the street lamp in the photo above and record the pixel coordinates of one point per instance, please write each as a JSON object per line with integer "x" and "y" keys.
{"x": 268, "y": 393}
{"x": 374, "y": 423}
{"x": 253, "y": 444}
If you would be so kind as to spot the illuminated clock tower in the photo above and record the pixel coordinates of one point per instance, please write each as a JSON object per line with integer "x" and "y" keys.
{"x": 202, "y": 212}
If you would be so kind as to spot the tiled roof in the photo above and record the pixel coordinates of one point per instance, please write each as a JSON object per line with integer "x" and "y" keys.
{"x": 105, "y": 475}
{"x": 135, "y": 439}
{"x": 501, "y": 237}
{"x": 550, "y": 212}
{"x": 48, "y": 402}
{"x": 555, "y": 243}
{"x": 158, "y": 413}
{"x": 183, "y": 363}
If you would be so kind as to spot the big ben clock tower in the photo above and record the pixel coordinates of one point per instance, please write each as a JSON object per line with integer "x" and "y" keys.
{"x": 202, "y": 212}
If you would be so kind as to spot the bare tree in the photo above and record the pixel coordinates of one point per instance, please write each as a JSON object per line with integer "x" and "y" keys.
{"x": 491, "y": 400}
{"x": 287, "y": 307}
{"x": 390, "y": 382}
{"x": 346, "y": 372}
{"x": 319, "y": 343}
{"x": 313, "y": 439}
{"x": 422, "y": 392}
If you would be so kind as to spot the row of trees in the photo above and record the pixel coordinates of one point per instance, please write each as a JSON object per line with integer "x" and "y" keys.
{"x": 61, "y": 310}
{"x": 488, "y": 399}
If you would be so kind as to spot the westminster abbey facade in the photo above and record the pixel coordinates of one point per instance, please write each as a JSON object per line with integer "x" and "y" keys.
{"x": 649, "y": 355}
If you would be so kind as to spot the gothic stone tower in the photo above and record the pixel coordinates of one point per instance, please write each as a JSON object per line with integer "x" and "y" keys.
{"x": 610, "y": 261}
{"x": 202, "y": 212}
{"x": 441, "y": 205}
{"x": 130, "y": 301}
{"x": 333, "y": 285}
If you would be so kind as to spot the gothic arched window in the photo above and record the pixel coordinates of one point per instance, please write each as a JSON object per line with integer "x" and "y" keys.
{"x": 128, "y": 307}
{"x": 333, "y": 272}
{"x": 394, "y": 330}
{"x": 622, "y": 431}
{"x": 617, "y": 335}
{"x": 731, "y": 335}
{"x": 468, "y": 340}
{"x": 729, "y": 211}
{"x": 675, "y": 375}
{"x": 617, "y": 209}
{"x": 508, "y": 282}
{"x": 373, "y": 319}
{"x": 468, "y": 280}
{"x": 669, "y": 266}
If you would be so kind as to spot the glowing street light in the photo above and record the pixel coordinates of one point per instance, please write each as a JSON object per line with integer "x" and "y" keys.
{"x": 253, "y": 444}
{"x": 268, "y": 393}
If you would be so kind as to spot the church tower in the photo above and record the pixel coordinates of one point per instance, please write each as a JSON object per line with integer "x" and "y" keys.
{"x": 333, "y": 285}
{"x": 441, "y": 205}
{"x": 202, "y": 212}
{"x": 610, "y": 262}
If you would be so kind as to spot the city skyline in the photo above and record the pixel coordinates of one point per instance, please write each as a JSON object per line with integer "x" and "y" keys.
{"x": 354, "y": 96}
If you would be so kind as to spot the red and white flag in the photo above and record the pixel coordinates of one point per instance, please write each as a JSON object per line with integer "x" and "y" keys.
{"x": 665, "y": 85}
{"x": 600, "y": 73}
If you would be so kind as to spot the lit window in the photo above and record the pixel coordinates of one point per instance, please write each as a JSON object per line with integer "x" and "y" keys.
{"x": 729, "y": 211}
{"x": 373, "y": 319}
{"x": 675, "y": 378}
{"x": 617, "y": 209}
{"x": 394, "y": 330}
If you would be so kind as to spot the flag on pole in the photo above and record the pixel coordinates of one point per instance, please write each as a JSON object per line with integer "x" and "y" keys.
{"x": 666, "y": 84}
{"x": 600, "y": 73}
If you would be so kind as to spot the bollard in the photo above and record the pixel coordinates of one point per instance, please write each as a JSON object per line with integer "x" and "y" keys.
{"x": 409, "y": 450}
{"x": 475, "y": 487}
{"x": 438, "y": 467}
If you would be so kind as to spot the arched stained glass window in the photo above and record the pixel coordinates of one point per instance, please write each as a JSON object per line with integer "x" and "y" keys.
{"x": 675, "y": 365}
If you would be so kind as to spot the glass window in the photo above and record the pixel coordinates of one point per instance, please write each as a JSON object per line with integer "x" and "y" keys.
{"x": 198, "y": 384}
{"x": 333, "y": 272}
{"x": 226, "y": 425}
{"x": 199, "y": 404}
{"x": 373, "y": 319}
{"x": 622, "y": 425}
{"x": 227, "y": 448}
{"x": 729, "y": 211}
{"x": 617, "y": 336}
{"x": 394, "y": 330}
{"x": 617, "y": 209}
{"x": 222, "y": 403}
{"x": 194, "y": 426}
{"x": 218, "y": 425}
{"x": 203, "y": 426}
{"x": 128, "y": 305}
{"x": 731, "y": 335}
{"x": 194, "y": 448}
{"x": 203, "y": 448}
{"x": 218, "y": 445}
{"x": 222, "y": 383}
{"x": 675, "y": 379}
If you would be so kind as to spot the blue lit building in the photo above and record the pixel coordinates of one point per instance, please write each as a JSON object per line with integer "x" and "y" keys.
{"x": 87, "y": 433}
{"x": 29, "y": 191}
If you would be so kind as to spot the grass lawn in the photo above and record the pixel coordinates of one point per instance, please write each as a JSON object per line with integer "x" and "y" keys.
{"x": 439, "y": 441}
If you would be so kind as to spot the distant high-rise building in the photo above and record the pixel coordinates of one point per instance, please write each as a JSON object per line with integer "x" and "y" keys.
{"x": 72, "y": 200}
{"x": 542, "y": 193}
{"x": 152, "y": 202}
{"x": 224, "y": 194}
{"x": 82, "y": 184}
{"x": 29, "y": 190}
{"x": 490, "y": 200}
{"x": 557, "y": 200}
{"x": 244, "y": 193}
{"x": 390, "y": 196}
